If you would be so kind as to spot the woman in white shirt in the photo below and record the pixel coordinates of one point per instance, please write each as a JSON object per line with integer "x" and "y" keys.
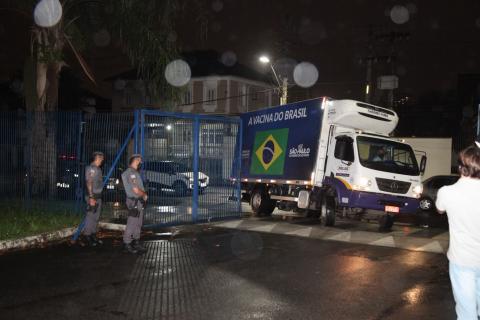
{"x": 461, "y": 201}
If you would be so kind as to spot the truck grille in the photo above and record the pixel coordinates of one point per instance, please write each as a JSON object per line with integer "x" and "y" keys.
{"x": 393, "y": 186}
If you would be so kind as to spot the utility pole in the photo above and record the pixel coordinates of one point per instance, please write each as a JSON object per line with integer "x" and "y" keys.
{"x": 283, "y": 98}
{"x": 374, "y": 39}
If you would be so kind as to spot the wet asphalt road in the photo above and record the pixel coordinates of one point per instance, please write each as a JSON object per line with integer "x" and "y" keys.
{"x": 226, "y": 274}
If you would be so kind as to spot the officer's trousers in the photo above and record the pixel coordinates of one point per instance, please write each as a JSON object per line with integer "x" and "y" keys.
{"x": 91, "y": 219}
{"x": 134, "y": 224}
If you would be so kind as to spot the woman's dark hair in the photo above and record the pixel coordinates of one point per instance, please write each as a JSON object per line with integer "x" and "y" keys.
{"x": 469, "y": 162}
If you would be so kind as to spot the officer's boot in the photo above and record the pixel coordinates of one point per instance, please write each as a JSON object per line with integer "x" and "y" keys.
{"x": 91, "y": 241}
{"x": 128, "y": 247}
{"x": 97, "y": 241}
{"x": 138, "y": 246}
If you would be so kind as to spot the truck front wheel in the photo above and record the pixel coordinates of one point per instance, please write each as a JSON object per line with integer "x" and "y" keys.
{"x": 327, "y": 213}
{"x": 385, "y": 223}
{"x": 261, "y": 203}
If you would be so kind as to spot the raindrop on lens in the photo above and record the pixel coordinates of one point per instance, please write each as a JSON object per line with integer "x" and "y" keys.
{"x": 178, "y": 73}
{"x": 247, "y": 246}
{"x": 412, "y": 8}
{"x": 229, "y": 58}
{"x": 101, "y": 38}
{"x": 216, "y": 27}
{"x": 119, "y": 84}
{"x": 305, "y": 74}
{"x": 47, "y": 13}
{"x": 477, "y": 23}
{"x": 217, "y": 5}
{"x": 399, "y": 14}
{"x": 172, "y": 36}
{"x": 401, "y": 70}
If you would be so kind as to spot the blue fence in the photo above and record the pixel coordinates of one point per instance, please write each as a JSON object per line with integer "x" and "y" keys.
{"x": 190, "y": 168}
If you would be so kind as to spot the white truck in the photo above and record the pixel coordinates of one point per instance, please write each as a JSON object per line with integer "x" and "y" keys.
{"x": 327, "y": 157}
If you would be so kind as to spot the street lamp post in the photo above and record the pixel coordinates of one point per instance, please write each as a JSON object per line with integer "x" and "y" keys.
{"x": 282, "y": 86}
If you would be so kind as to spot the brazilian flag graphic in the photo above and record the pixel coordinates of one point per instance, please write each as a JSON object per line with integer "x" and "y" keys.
{"x": 269, "y": 150}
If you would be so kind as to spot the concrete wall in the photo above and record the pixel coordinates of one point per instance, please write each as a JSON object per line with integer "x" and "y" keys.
{"x": 439, "y": 154}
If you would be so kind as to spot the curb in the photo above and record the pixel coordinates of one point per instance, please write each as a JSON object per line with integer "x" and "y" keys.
{"x": 35, "y": 241}
{"x": 111, "y": 226}
{"x": 54, "y": 236}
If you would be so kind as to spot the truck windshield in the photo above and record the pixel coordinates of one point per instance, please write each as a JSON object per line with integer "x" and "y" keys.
{"x": 385, "y": 155}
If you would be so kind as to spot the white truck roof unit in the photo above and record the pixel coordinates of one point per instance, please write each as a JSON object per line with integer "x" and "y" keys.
{"x": 362, "y": 116}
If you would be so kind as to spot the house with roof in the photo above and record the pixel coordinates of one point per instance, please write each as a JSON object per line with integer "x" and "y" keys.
{"x": 215, "y": 87}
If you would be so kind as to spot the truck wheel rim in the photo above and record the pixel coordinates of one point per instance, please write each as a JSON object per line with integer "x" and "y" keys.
{"x": 257, "y": 200}
{"x": 425, "y": 204}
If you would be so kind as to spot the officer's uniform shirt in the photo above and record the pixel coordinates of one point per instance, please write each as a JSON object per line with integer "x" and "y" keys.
{"x": 131, "y": 178}
{"x": 93, "y": 174}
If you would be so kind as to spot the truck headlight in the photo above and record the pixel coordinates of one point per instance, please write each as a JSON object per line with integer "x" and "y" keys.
{"x": 363, "y": 184}
{"x": 417, "y": 190}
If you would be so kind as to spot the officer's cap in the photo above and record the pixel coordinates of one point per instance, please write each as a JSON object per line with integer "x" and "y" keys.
{"x": 97, "y": 154}
{"x": 134, "y": 156}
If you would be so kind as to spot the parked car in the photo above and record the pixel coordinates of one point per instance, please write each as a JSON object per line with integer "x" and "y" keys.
{"x": 160, "y": 175}
{"x": 427, "y": 215}
{"x": 431, "y": 187}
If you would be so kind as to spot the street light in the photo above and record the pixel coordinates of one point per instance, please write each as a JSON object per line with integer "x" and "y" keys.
{"x": 283, "y": 86}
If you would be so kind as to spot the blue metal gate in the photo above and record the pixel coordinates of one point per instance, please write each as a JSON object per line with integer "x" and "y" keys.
{"x": 190, "y": 167}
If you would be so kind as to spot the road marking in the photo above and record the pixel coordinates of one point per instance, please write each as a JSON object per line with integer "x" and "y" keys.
{"x": 305, "y": 232}
{"x": 266, "y": 228}
{"x": 384, "y": 242}
{"x": 342, "y": 236}
{"x": 433, "y": 246}
{"x": 231, "y": 224}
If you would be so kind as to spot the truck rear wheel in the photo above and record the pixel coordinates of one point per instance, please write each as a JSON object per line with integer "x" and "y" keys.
{"x": 328, "y": 211}
{"x": 385, "y": 223}
{"x": 261, "y": 203}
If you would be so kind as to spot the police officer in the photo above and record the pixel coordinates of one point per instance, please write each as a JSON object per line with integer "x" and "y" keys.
{"x": 94, "y": 186}
{"x": 136, "y": 199}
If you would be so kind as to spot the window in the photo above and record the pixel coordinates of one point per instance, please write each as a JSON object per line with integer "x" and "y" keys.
{"x": 148, "y": 99}
{"x": 210, "y": 92}
{"x": 344, "y": 148}
{"x": 187, "y": 97}
{"x": 387, "y": 155}
{"x": 242, "y": 95}
{"x": 128, "y": 98}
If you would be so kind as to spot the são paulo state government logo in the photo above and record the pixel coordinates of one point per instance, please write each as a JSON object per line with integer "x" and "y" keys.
{"x": 269, "y": 152}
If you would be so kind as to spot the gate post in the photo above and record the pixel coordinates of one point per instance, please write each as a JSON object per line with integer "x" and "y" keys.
{"x": 238, "y": 170}
{"x": 142, "y": 134}
{"x": 196, "y": 142}
{"x": 136, "y": 119}
{"x": 78, "y": 187}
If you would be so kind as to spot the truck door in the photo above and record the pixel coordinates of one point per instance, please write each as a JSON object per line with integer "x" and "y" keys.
{"x": 341, "y": 157}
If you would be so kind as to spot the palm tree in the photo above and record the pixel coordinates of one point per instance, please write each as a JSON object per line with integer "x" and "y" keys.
{"x": 143, "y": 29}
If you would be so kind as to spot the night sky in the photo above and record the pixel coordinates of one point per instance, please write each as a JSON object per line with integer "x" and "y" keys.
{"x": 333, "y": 35}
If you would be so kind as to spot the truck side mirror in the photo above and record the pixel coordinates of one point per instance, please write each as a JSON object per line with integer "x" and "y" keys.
{"x": 423, "y": 164}
{"x": 344, "y": 149}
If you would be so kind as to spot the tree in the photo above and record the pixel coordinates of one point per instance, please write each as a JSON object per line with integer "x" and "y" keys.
{"x": 144, "y": 30}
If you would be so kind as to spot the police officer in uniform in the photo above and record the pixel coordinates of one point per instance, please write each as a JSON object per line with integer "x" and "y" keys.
{"x": 94, "y": 186}
{"x": 136, "y": 199}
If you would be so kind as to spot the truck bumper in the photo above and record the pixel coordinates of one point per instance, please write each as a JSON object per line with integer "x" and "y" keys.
{"x": 377, "y": 201}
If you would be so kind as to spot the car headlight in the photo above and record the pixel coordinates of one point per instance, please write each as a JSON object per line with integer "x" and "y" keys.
{"x": 417, "y": 190}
